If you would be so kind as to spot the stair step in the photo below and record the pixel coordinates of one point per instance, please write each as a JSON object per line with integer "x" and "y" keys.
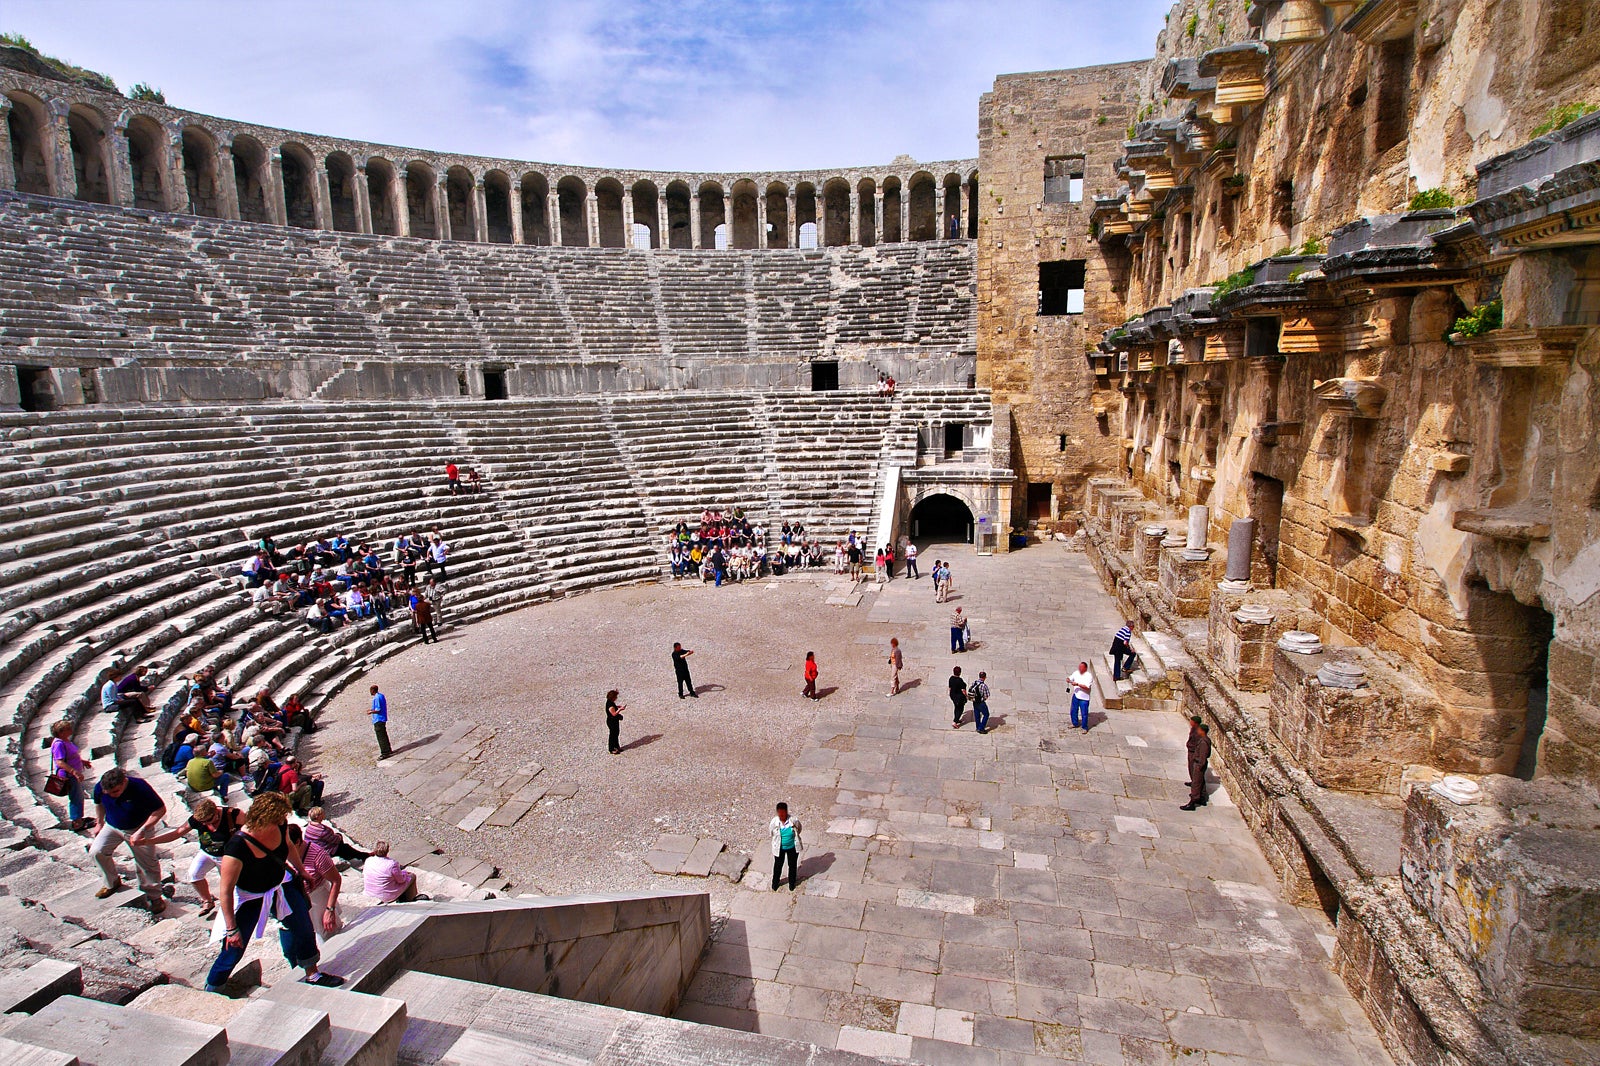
{"x": 100, "y": 1034}
{"x": 366, "y": 1030}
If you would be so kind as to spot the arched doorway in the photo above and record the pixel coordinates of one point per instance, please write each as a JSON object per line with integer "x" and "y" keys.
{"x": 941, "y": 519}
{"x": 147, "y": 163}
{"x": 250, "y": 178}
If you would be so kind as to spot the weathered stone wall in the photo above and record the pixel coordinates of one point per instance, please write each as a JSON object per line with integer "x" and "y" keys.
{"x": 1032, "y": 362}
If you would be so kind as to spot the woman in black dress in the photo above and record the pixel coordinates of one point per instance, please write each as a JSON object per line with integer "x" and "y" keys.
{"x": 257, "y": 883}
{"x": 613, "y": 722}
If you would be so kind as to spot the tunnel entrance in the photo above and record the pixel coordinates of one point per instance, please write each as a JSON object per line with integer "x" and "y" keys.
{"x": 941, "y": 519}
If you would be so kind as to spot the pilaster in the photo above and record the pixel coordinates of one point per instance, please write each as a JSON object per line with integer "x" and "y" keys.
{"x": 793, "y": 223}
{"x": 591, "y": 220}
{"x": 120, "y": 167}
{"x": 441, "y": 209}
{"x": 627, "y": 220}
{"x": 552, "y": 212}
{"x": 63, "y": 182}
{"x": 939, "y": 223}
{"x": 877, "y": 216}
{"x": 662, "y": 218}
{"x": 176, "y": 187}
{"x": 8, "y": 174}
{"x": 363, "y": 199}
{"x": 761, "y": 220}
{"x": 514, "y": 205}
{"x": 480, "y": 212}
{"x": 278, "y": 206}
{"x": 694, "y": 219}
{"x": 321, "y": 197}
{"x": 855, "y": 217}
{"x": 227, "y": 187}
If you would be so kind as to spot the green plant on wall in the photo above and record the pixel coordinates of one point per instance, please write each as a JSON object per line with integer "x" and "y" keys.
{"x": 1234, "y": 282}
{"x": 1101, "y": 121}
{"x": 146, "y": 92}
{"x": 1480, "y": 320}
{"x": 1563, "y": 116}
{"x": 1313, "y": 246}
{"x": 1430, "y": 199}
{"x": 1193, "y": 25}
{"x": 92, "y": 78}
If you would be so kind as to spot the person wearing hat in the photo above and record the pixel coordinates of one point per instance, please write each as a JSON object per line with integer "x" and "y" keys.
{"x": 1199, "y": 747}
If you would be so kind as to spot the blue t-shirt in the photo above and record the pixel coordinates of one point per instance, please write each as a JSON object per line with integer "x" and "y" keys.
{"x": 109, "y": 695}
{"x": 380, "y": 708}
{"x": 130, "y": 810}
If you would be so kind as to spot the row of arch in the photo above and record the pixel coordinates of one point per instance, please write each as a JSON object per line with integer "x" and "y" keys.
{"x": 72, "y": 150}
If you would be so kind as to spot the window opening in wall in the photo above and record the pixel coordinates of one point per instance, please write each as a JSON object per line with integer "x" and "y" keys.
{"x": 824, "y": 375}
{"x": 808, "y": 236}
{"x": 1063, "y": 179}
{"x": 34, "y": 384}
{"x": 1393, "y": 110}
{"x": 1061, "y": 442}
{"x": 719, "y": 237}
{"x": 1261, "y": 337}
{"x": 1540, "y": 629}
{"x": 494, "y": 384}
{"x": 1039, "y": 496}
{"x": 641, "y": 235}
{"x": 954, "y": 439}
{"x": 1061, "y": 287}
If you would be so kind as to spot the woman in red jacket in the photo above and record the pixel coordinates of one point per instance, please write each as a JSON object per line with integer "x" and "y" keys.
{"x": 810, "y": 691}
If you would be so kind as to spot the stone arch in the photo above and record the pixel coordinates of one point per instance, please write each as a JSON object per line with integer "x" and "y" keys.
{"x": 892, "y": 193}
{"x": 250, "y": 178}
{"x": 924, "y": 223}
{"x": 713, "y": 213}
{"x": 836, "y": 212}
{"x": 680, "y": 233}
{"x": 199, "y": 149}
{"x": 647, "y": 211}
{"x": 866, "y": 212}
{"x": 341, "y": 171}
{"x": 608, "y": 206}
{"x": 461, "y": 200}
{"x": 147, "y": 163}
{"x": 497, "y": 206}
{"x": 942, "y": 514}
{"x": 419, "y": 201}
{"x": 31, "y": 164}
{"x": 87, "y": 132}
{"x": 972, "y": 205}
{"x": 299, "y": 171}
{"x": 381, "y": 197}
{"x": 572, "y": 197}
{"x": 777, "y": 215}
{"x": 535, "y": 208}
{"x": 950, "y": 224}
{"x": 746, "y": 221}
{"x": 805, "y": 214}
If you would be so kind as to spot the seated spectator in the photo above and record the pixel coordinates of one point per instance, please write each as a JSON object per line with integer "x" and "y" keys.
{"x": 323, "y": 883}
{"x": 258, "y": 570}
{"x": 303, "y": 787}
{"x": 201, "y": 775}
{"x": 113, "y": 701}
{"x": 133, "y": 684}
{"x": 296, "y": 716}
{"x": 386, "y": 880}
{"x": 176, "y": 755}
{"x": 474, "y": 480}
{"x": 319, "y": 832}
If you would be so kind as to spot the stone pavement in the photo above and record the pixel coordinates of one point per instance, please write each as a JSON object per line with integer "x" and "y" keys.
{"x": 1029, "y": 896}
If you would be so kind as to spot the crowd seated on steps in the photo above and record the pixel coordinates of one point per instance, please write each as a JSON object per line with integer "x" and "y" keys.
{"x": 333, "y": 583}
{"x": 732, "y": 547}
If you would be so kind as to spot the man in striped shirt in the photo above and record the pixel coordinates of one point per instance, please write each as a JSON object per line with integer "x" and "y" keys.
{"x": 1121, "y": 649}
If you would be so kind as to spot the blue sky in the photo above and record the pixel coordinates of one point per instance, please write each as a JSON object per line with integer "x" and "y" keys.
{"x": 691, "y": 85}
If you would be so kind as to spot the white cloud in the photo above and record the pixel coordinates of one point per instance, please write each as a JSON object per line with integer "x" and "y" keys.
{"x": 695, "y": 85}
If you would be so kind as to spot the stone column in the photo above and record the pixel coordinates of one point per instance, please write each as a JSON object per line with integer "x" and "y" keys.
{"x": 227, "y": 185}
{"x": 663, "y": 230}
{"x": 877, "y": 215}
{"x": 855, "y": 217}
{"x": 1241, "y": 535}
{"x": 58, "y": 148}
{"x": 363, "y": 199}
{"x": 761, "y": 220}
{"x": 278, "y": 207}
{"x": 514, "y": 205}
{"x": 694, "y": 219}
{"x": 175, "y": 188}
{"x": 8, "y": 174}
{"x": 552, "y": 214}
{"x": 627, "y": 219}
{"x": 402, "y": 204}
{"x": 1199, "y": 524}
{"x": 938, "y": 211}
{"x": 441, "y": 208}
{"x": 793, "y": 223}
{"x": 591, "y": 210}
{"x": 322, "y": 197}
{"x": 905, "y": 210}
{"x": 118, "y": 163}
{"x": 480, "y": 212}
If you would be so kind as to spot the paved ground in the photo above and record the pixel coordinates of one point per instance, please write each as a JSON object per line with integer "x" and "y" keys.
{"x": 1033, "y": 895}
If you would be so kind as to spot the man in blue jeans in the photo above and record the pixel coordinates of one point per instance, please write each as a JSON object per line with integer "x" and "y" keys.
{"x": 380, "y": 722}
{"x": 978, "y": 691}
{"x": 958, "y": 631}
{"x": 1082, "y": 688}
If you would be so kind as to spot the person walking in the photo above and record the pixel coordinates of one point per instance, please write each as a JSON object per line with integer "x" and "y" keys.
{"x": 380, "y": 721}
{"x": 215, "y": 825}
{"x": 979, "y": 693}
{"x": 68, "y": 765}
{"x": 944, "y": 582}
{"x": 680, "y": 668}
{"x": 896, "y": 661}
{"x": 958, "y": 631}
{"x": 422, "y": 618}
{"x": 911, "y": 561}
{"x": 877, "y": 566}
{"x": 255, "y": 886}
{"x": 958, "y": 696}
{"x": 128, "y": 809}
{"x": 1121, "y": 649}
{"x": 810, "y": 691}
{"x": 613, "y": 722}
{"x": 1082, "y": 682}
{"x": 786, "y": 846}
{"x": 937, "y": 573}
{"x": 1199, "y": 748}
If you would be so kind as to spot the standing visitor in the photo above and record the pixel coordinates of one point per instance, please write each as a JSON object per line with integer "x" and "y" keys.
{"x": 855, "y": 559}
{"x": 214, "y": 826}
{"x": 380, "y": 721}
{"x": 810, "y": 691}
{"x": 1199, "y": 749}
{"x": 68, "y": 765}
{"x": 958, "y": 696}
{"x": 422, "y": 618}
{"x": 979, "y": 691}
{"x": 1082, "y": 682}
{"x": 958, "y": 631}
{"x": 452, "y": 477}
{"x": 911, "y": 561}
{"x": 128, "y": 809}
{"x": 786, "y": 846}
{"x": 877, "y": 566}
{"x": 439, "y": 554}
{"x": 680, "y": 668}
{"x": 895, "y": 662}
{"x": 613, "y": 722}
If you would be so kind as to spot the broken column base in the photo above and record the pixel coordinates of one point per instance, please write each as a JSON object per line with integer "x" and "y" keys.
{"x": 1184, "y": 585}
{"x": 1242, "y": 646}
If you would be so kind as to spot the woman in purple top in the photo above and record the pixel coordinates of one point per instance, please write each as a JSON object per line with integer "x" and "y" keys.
{"x": 67, "y": 763}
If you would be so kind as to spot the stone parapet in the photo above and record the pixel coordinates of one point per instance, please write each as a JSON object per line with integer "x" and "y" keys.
{"x": 1147, "y": 549}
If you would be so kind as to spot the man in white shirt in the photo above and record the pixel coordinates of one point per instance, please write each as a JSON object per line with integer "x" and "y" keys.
{"x": 1082, "y": 688}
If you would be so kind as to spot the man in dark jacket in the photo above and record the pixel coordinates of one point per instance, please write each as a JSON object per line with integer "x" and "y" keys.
{"x": 1199, "y": 746}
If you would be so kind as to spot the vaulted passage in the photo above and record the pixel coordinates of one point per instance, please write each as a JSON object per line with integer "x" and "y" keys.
{"x": 199, "y": 173}
{"x": 572, "y": 199}
{"x": 342, "y": 192}
{"x": 419, "y": 201}
{"x": 24, "y": 123}
{"x": 250, "y": 179}
{"x": 299, "y": 188}
{"x": 941, "y": 519}
{"x": 497, "y": 207}
{"x": 381, "y": 197}
{"x": 535, "y": 209}
{"x": 90, "y": 165}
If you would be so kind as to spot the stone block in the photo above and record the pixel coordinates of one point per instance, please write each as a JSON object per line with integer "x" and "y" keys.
{"x": 365, "y": 1030}
{"x": 1244, "y": 649}
{"x": 1185, "y": 584}
{"x": 1147, "y": 550}
{"x": 100, "y": 1034}
{"x": 26, "y": 991}
{"x": 1513, "y": 883}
